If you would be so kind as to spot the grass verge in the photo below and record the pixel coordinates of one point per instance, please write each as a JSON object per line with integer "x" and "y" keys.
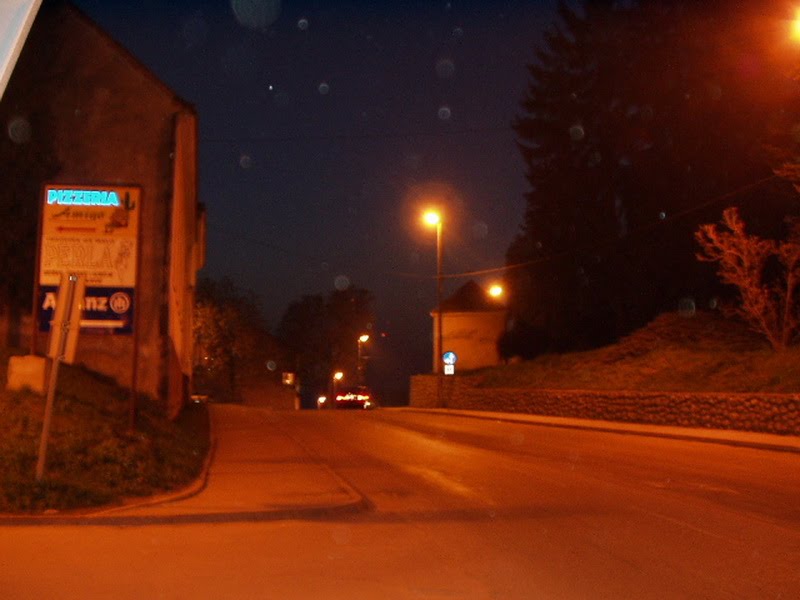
{"x": 93, "y": 457}
{"x": 704, "y": 352}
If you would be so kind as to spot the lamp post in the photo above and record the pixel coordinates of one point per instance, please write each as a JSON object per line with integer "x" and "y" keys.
{"x": 337, "y": 377}
{"x": 433, "y": 218}
{"x": 363, "y": 339}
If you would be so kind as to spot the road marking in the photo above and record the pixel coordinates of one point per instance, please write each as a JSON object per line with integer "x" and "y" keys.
{"x": 442, "y": 481}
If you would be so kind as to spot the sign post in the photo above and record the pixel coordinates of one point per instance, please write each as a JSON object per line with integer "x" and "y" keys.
{"x": 449, "y": 359}
{"x": 63, "y": 343}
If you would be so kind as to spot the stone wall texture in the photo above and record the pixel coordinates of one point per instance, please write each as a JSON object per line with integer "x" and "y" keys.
{"x": 756, "y": 412}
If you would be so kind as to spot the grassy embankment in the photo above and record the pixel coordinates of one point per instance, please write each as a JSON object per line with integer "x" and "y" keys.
{"x": 701, "y": 353}
{"x": 93, "y": 458}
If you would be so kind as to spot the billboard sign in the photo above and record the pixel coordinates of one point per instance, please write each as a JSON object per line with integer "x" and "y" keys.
{"x": 92, "y": 231}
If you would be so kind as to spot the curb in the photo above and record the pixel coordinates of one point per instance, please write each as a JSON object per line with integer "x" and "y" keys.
{"x": 744, "y": 439}
{"x": 107, "y": 516}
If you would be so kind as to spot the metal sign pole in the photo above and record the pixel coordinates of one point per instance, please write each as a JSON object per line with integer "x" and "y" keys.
{"x": 61, "y": 331}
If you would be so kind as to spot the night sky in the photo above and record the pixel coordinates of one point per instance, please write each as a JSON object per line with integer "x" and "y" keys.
{"x": 325, "y": 125}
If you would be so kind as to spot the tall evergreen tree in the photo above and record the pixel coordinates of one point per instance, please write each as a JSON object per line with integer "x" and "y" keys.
{"x": 637, "y": 117}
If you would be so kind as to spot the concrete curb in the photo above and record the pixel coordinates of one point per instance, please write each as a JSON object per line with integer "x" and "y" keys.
{"x": 746, "y": 439}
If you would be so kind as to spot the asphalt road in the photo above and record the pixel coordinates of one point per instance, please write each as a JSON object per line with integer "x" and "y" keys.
{"x": 458, "y": 507}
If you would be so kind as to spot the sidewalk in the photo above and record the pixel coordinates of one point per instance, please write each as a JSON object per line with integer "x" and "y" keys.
{"x": 254, "y": 473}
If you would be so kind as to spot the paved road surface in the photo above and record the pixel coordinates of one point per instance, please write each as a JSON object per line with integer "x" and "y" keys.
{"x": 431, "y": 506}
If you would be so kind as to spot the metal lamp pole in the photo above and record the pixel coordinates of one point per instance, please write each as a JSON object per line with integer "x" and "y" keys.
{"x": 439, "y": 335}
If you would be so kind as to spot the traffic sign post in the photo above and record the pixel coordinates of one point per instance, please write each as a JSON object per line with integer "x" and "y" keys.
{"x": 63, "y": 343}
{"x": 449, "y": 359}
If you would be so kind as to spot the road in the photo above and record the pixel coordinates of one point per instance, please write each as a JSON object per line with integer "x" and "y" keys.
{"x": 460, "y": 507}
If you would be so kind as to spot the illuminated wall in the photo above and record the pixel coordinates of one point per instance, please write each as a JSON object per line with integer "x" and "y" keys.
{"x": 108, "y": 120}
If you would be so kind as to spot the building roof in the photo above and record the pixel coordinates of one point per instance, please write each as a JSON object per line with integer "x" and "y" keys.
{"x": 470, "y": 297}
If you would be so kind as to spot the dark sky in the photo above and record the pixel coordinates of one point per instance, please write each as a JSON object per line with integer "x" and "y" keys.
{"x": 322, "y": 130}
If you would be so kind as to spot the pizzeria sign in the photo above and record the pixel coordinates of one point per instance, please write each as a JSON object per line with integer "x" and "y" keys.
{"x": 93, "y": 231}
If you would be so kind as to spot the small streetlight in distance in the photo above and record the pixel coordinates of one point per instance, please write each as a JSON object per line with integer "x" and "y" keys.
{"x": 363, "y": 339}
{"x": 496, "y": 291}
{"x": 337, "y": 377}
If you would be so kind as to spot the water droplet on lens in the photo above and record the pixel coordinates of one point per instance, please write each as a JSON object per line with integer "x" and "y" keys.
{"x": 662, "y": 215}
{"x": 445, "y": 68}
{"x": 281, "y": 99}
{"x": 458, "y": 32}
{"x": 480, "y": 230}
{"x": 324, "y": 88}
{"x": 576, "y": 133}
{"x": 445, "y": 113}
{"x": 272, "y": 365}
{"x": 256, "y": 14}
{"x": 19, "y": 130}
{"x": 302, "y": 24}
{"x": 245, "y": 161}
{"x": 687, "y": 307}
{"x": 341, "y": 283}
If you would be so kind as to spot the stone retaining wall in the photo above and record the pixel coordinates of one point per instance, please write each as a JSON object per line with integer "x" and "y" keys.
{"x": 765, "y": 413}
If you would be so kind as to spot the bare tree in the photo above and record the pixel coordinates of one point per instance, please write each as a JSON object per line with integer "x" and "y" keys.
{"x": 765, "y": 272}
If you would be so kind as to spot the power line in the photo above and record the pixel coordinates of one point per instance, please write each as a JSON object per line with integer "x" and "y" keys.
{"x": 385, "y": 135}
{"x": 606, "y": 242}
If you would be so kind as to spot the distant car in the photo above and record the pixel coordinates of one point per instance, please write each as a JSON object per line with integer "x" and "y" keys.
{"x": 360, "y": 397}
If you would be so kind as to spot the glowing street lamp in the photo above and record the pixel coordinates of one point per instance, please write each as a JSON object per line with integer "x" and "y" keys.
{"x": 496, "y": 291}
{"x": 434, "y": 219}
{"x": 363, "y": 339}
{"x": 795, "y": 28}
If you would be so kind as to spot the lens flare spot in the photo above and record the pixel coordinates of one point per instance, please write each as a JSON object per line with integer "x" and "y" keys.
{"x": 256, "y": 14}
{"x": 576, "y": 133}
{"x": 341, "y": 283}
{"x": 19, "y": 130}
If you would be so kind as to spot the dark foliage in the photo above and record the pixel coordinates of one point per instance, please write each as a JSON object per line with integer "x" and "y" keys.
{"x": 232, "y": 342}
{"x": 640, "y": 119}
{"x": 321, "y": 333}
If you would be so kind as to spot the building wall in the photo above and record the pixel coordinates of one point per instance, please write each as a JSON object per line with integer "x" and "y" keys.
{"x": 110, "y": 121}
{"x": 472, "y": 336}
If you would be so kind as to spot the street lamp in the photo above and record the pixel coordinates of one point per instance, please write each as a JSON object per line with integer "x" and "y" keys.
{"x": 360, "y": 364}
{"x": 796, "y": 27}
{"x": 434, "y": 219}
{"x": 337, "y": 377}
{"x": 496, "y": 291}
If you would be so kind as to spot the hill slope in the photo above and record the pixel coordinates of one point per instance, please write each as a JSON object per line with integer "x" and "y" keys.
{"x": 705, "y": 352}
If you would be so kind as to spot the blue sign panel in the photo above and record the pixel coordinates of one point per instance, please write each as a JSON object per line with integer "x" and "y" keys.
{"x": 106, "y": 310}
{"x": 449, "y": 358}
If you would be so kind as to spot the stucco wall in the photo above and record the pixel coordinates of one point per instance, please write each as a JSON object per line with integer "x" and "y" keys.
{"x": 472, "y": 336}
{"x": 766, "y": 413}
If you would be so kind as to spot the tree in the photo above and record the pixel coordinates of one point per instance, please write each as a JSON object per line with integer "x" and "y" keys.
{"x": 635, "y": 116}
{"x": 321, "y": 333}
{"x": 231, "y": 338}
{"x": 765, "y": 272}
